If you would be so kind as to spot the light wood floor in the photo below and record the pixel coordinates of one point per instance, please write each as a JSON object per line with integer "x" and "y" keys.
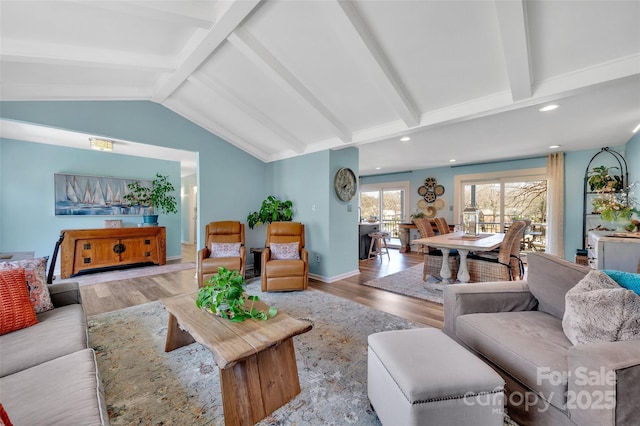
{"x": 111, "y": 296}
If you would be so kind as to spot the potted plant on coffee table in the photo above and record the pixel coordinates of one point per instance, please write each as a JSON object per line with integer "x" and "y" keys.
{"x": 225, "y": 297}
{"x": 157, "y": 198}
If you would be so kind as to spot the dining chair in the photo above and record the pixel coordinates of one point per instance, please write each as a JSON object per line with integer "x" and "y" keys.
{"x": 433, "y": 256}
{"x": 443, "y": 226}
{"x": 505, "y": 266}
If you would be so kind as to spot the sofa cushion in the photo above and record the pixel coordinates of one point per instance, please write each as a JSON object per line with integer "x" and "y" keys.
{"x": 549, "y": 278}
{"x": 35, "y": 271}
{"x": 64, "y": 391}
{"x": 59, "y": 332}
{"x": 16, "y": 311}
{"x": 529, "y": 346}
{"x": 600, "y": 310}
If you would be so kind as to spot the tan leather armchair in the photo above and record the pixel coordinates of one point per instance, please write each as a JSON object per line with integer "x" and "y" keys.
{"x": 285, "y": 274}
{"x": 221, "y": 232}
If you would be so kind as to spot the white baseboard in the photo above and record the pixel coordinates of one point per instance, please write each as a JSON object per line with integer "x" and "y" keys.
{"x": 335, "y": 278}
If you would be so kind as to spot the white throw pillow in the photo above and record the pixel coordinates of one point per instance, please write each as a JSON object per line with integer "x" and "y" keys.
{"x": 284, "y": 251}
{"x": 598, "y": 309}
{"x": 225, "y": 249}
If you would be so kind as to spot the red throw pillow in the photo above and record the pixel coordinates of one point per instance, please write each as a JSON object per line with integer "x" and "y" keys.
{"x": 4, "y": 417}
{"x": 16, "y": 311}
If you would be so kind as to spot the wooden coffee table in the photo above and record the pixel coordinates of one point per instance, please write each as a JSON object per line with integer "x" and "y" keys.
{"x": 256, "y": 359}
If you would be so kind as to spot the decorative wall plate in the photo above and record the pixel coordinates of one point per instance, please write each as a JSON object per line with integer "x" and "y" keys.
{"x": 430, "y": 197}
{"x": 430, "y": 212}
{"x": 422, "y": 204}
{"x": 438, "y": 204}
{"x": 422, "y": 190}
{"x": 439, "y": 190}
{"x": 430, "y": 182}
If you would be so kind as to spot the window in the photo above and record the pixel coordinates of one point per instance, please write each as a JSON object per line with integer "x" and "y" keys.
{"x": 504, "y": 197}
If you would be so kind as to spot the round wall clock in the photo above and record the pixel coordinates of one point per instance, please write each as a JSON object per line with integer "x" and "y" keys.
{"x": 345, "y": 184}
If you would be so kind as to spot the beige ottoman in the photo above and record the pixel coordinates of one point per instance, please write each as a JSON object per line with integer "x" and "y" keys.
{"x": 423, "y": 377}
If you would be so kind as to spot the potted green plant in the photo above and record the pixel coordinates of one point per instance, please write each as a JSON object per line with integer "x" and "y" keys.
{"x": 419, "y": 214}
{"x": 271, "y": 210}
{"x": 601, "y": 180}
{"x": 157, "y": 198}
{"x": 225, "y": 296}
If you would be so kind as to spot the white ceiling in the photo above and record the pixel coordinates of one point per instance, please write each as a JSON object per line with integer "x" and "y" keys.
{"x": 463, "y": 79}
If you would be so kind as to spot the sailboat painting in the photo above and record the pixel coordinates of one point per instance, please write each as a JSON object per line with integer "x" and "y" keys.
{"x": 93, "y": 195}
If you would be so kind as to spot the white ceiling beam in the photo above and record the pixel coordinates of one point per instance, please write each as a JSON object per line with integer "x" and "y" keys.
{"x": 61, "y": 54}
{"x": 568, "y": 83}
{"x": 220, "y": 89}
{"x": 203, "y": 44}
{"x": 515, "y": 46}
{"x": 152, "y": 10}
{"x": 49, "y": 92}
{"x": 272, "y": 67}
{"x": 396, "y": 93}
{"x": 196, "y": 116}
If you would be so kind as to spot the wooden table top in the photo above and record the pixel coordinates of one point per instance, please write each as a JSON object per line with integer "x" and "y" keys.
{"x": 231, "y": 342}
{"x": 456, "y": 240}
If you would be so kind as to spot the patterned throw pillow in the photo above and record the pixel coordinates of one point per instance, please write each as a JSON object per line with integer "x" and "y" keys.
{"x": 225, "y": 249}
{"x": 286, "y": 251}
{"x": 16, "y": 311}
{"x": 35, "y": 270}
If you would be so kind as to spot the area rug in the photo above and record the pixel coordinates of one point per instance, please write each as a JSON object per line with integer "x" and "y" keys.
{"x": 123, "y": 274}
{"x": 409, "y": 283}
{"x": 145, "y": 385}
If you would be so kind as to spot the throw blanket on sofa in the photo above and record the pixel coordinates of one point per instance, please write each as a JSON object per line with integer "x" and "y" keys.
{"x": 597, "y": 309}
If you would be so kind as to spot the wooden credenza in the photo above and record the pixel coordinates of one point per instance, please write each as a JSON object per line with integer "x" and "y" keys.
{"x": 93, "y": 250}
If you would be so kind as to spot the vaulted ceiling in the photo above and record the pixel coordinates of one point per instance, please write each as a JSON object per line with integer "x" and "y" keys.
{"x": 463, "y": 79}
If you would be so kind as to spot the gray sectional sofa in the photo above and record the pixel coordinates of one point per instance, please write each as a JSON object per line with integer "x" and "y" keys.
{"x": 48, "y": 372}
{"x": 517, "y": 328}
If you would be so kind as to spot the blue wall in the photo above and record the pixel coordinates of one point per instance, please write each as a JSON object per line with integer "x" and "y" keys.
{"x": 632, "y": 154}
{"x": 230, "y": 181}
{"x": 27, "y": 219}
{"x": 330, "y": 231}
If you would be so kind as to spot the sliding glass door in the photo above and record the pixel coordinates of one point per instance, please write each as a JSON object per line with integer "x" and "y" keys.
{"x": 503, "y": 199}
{"x": 387, "y": 204}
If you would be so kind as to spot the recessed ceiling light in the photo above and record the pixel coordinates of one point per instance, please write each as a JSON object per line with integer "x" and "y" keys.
{"x": 405, "y": 139}
{"x": 548, "y": 108}
{"x": 378, "y": 168}
{"x": 453, "y": 160}
{"x": 636, "y": 129}
{"x": 554, "y": 146}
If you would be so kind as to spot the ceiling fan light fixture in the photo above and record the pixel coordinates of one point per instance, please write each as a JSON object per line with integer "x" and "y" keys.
{"x": 548, "y": 108}
{"x": 101, "y": 144}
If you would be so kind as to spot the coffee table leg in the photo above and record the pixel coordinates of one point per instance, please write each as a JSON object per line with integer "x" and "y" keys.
{"x": 463, "y": 272}
{"x": 257, "y": 386}
{"x": 176, "y": 337}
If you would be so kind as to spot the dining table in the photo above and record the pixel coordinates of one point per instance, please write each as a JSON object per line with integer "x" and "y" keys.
{"x": 463, "y": 243}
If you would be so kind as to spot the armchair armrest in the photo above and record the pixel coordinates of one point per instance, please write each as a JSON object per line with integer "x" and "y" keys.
{"x": 64, "y": 294}
{"x": 489, "y": 297}
{"x": 604, "y": 383}
{"x": 304, "y": 255}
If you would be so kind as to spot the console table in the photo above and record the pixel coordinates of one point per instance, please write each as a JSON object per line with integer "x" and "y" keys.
{"x": 94, "y": 250}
